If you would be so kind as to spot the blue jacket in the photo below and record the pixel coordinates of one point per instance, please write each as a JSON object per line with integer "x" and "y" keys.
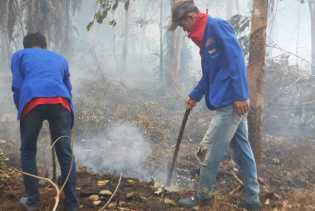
{"x": 37, "y": 73}
{"x": 224, "y": 74}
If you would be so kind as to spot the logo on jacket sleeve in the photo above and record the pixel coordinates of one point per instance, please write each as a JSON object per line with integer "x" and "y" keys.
{"x": 210, "y": 45}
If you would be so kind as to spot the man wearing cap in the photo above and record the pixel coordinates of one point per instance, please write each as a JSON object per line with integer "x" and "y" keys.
{"x": 225, "y": 87}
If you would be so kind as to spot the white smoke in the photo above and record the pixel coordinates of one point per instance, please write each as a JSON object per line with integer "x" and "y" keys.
{"x": 120, "y": 149}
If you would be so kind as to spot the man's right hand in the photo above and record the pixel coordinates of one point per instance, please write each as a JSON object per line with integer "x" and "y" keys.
{"x": 190, "y": 103}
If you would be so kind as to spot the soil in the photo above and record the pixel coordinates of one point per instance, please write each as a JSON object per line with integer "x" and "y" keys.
{"x": 286, "y": 178}
{"x": 286, "y": 171}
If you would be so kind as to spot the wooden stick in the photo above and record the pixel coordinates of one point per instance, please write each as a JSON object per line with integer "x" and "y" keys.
{"x": 71, "y": 164}
{"x": 57, "y": 197}
{"x": 112, "y": 196}
{"x": 239, "y": 187}
{"x": 58, "y": 139}
{"x": 58, "y": 191}
{"x": 236, "y": 177}
{"x": 53, "y": 153}
{"x": 179, "y": 140}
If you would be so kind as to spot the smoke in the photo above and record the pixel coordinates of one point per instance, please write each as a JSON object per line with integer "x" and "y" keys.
{"x": 120, "y": 149}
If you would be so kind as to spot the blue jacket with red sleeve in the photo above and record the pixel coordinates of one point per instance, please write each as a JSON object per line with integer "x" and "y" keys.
{"x": 224, "y": 74}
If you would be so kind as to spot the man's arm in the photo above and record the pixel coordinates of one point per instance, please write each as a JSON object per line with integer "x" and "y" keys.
{"x": 235, "y": 58}
{"x": 66, "y": 78}
{"x": 197, "y": 93}
{"x": 199, "y": 90}
{"x": 17, "y": 78}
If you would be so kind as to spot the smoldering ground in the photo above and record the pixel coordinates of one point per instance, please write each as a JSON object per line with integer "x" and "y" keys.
{"x": 121, "y": 148}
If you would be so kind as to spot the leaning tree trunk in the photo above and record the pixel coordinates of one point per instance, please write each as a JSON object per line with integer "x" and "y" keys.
{"x": 126, "y": 31}
{"x": 256, "y": 73}
{"x": 67, "y": 26}
{"x": 174, "y": 42}
{"x": 5, "y": 30}
{"x": 161, "y": 43}
{"x": 311, "y": 6}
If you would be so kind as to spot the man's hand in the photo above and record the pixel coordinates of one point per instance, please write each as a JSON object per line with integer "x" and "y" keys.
{"x": 202, "y": 153}
{"x": 190, "y": 103}
{"x": 241, "y": 107}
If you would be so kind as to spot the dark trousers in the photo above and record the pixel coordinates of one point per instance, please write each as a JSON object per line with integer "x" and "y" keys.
{"x": 60, "y": 121}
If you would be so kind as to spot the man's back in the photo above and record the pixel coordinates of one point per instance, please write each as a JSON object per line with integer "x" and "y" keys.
{"x": 42, "y": 91}
{"x": 38, "y": 64}
{"x": 39, "y": 73}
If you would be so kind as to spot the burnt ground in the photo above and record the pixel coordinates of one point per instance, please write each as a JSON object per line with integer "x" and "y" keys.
{"x": 286, "y": 172}
{"x": 286, "y": 177}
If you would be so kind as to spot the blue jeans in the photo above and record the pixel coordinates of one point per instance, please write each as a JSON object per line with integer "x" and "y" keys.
{"x": 228, "y": 128}
{"x": 60, "y": 121}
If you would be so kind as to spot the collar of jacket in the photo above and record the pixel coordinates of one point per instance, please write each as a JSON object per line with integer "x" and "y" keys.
{"x": 198, "y": 29}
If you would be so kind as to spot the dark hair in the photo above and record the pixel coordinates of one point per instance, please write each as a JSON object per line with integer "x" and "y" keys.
{"x": 34, "y": 40}
{"x": 183, "y": 10}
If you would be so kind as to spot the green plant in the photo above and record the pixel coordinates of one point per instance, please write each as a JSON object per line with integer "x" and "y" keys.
{"x": 105, "y": 6}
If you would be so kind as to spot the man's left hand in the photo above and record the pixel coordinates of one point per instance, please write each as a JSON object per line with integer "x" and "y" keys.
{"x": 241, "y": 107}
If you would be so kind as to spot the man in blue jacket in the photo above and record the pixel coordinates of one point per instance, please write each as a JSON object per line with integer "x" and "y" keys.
{"x": 42, "y": 91}
{"x": 224, "y": 85}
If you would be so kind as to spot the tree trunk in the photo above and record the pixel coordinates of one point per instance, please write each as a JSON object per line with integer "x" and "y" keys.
{"x": 161, "y": 43}
{"x": 256, "y": 73}
{"x": 311, "y": 6}
{"x": 126, "y": 31}
{"x": 177, "y": 46}
{"x": 142, "y": 37}
{"x": 5, "y": 41}
{"x": 66, "y": 42}
{"x": 174, "y": 58}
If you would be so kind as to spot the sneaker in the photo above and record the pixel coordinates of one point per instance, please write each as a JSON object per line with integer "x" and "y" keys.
{"x": 193, "y": 201}
{"x": 29, "y": 206}
{"x": 254, "y": 206}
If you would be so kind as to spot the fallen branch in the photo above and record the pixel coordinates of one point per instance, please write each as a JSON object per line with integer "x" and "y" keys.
{"x": 53, "y": 152}
{"x": 239, "y": 187}
{"x": 57, "y": 197}
{"x": 71, "y": 164}
{"x": 58, "y": 191}
{"x": 236, "y": 177}
{"x": 58, "y": 139}
{"x": 112, "y": 196}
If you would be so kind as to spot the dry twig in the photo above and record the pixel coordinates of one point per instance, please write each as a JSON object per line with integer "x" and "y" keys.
{"x": 236, "y": 177}
{"x": 57, "y": 197}
{"x": 112, "y": 196}
{"x": 71, "y": 164}
{"x": 58, "y": 190}
{"x": 239, "y": 187}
